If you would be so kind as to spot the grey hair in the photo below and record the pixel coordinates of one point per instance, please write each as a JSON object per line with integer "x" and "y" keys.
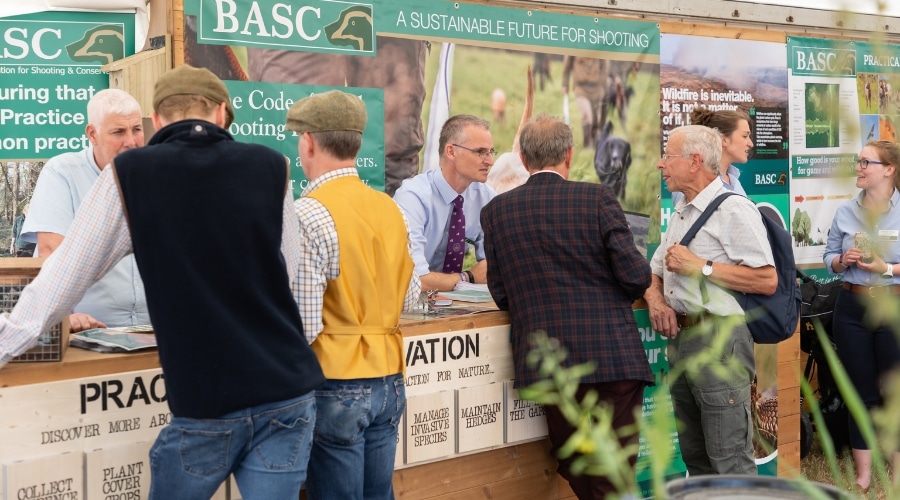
{"x": 111, "y": 102}
{"x": 455, "y": 126}
{"x": 544, "y": 142}
{"x": 705, "y": 141}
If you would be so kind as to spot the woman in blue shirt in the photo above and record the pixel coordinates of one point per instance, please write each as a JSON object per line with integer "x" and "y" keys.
{"x": 863, "y": 247}
{"x": 736, "y": 144}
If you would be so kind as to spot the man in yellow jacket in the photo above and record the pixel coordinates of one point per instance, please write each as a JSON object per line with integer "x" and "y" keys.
{"x": 356, "y": 278}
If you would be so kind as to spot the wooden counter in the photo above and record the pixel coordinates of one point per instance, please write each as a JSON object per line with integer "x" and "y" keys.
{"x": 79, "y": 363}
{"x": 519, "y": 470}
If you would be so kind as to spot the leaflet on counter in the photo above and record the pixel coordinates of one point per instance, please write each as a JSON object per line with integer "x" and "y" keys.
{"x": 121, "y": 339}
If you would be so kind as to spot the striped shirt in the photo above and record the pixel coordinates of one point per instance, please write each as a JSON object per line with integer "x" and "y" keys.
{"x": 97, "y": 239}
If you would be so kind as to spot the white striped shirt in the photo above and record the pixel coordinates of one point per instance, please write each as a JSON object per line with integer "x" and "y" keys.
{"x": 98, "y": 238}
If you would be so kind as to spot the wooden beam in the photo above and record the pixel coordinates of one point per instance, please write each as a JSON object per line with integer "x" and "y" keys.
{"x": 177, "y": 33}
{"x": 463, "y": 475}
{"x": 788, "y": 20}
{"x": 137, "y": 74}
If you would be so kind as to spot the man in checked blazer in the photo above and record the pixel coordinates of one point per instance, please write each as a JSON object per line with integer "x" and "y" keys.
{"x": 562, "y": 259}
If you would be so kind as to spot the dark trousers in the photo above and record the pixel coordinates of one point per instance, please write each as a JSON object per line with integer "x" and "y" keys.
{"x": 625, "y": 396}
{"x": 867, "y": 352}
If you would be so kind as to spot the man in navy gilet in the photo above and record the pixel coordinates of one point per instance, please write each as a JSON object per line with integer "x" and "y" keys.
{"x": 212, "y": 227}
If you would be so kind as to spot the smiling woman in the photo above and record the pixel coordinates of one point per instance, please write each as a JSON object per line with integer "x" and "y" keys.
{"x": 864, "y": 247}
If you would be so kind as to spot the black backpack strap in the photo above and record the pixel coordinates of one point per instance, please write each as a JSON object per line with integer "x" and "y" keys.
{"x": 713, "y": 205}
{"x": 695, "y": 227}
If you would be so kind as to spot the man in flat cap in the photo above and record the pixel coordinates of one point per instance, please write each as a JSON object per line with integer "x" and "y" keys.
{"x": 356, "y": 278}
{"x": 239, "y": 374}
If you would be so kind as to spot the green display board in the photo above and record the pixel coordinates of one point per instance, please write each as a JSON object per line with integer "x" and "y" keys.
{"x": 50, "y": 67}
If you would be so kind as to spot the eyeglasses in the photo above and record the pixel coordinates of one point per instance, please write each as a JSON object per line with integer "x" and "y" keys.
{"x": 864, "y": 163}
{"x": 667, "y": 157}
{"x": 485, "y": 154}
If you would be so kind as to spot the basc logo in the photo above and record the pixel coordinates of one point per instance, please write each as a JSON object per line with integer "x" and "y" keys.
{"x": 353, "y": 28}
{"x": 103, "y": 44}
{"x": 313, "y": 25}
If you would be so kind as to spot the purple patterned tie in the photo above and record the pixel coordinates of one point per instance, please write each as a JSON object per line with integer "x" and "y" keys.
{"x": 456, "y": 239}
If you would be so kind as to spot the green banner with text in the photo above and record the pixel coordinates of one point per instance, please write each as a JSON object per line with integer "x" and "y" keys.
{"x": 350, "y": 27}
{"x": 50, "y": 64}
{"x": 843, "y": 94}
{"x": 259, "y": 117}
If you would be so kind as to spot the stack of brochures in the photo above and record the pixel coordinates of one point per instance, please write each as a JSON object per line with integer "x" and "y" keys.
{"x": 468, "y": 292}
{"x": 121, "y": 339}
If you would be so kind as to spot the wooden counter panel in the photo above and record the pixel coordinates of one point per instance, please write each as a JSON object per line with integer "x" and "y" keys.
{"x": 472, "y": 473}
{"x": 504, "y": 472}
{"x": 565, "y": 491}
{"x": 789, "y": 374}
{"x": 455, "y": 323}
{"x": 789, "y": 350}
{"x": 77, "y": 363}
{"x": 789, "y": 459}
{"x": 537, "y": 486}
{"x": 788, "y": 401}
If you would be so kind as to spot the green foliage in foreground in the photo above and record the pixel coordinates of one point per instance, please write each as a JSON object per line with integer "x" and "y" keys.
{"x": 596, "y": 444}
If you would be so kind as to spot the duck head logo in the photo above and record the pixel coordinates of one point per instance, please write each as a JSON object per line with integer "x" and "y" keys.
{"x": 353, "y": 28}
{"x": 103, "y": 44}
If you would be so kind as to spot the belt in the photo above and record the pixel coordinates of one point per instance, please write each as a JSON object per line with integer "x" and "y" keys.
{"x": 688, "y": 320}
{"x": 872, "y": 291}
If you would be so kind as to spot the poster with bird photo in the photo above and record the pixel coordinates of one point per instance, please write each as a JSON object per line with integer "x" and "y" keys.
{"x": 843, "y": 95}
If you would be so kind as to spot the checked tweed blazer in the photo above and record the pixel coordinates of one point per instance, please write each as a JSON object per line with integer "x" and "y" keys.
{"x": 562, "y": 259}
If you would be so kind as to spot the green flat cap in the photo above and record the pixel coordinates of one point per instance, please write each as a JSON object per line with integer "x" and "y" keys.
{"x": 332, "y": 110}
{"x": 185, "y": 80}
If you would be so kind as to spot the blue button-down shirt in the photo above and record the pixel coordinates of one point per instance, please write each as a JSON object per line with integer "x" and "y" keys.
{"x": 118, "y": 298}
{"x": 427, "y": 201}
{"x": 851, "y": 218}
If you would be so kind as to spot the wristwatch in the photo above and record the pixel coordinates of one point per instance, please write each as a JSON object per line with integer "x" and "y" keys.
{"x": 889, "y": 272}
{"x": 707, "y": 269}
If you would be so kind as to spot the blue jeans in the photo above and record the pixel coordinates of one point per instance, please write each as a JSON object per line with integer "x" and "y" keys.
{"x": 266, "y": 448}
{"x": 356, "y": 438}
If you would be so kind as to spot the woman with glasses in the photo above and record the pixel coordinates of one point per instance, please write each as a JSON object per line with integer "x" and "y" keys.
{"x": 734, "y": 126}
{"x": 864, "y": 247}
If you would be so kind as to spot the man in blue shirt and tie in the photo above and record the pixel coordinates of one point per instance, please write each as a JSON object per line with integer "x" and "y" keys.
{"x": 443, "y": 205}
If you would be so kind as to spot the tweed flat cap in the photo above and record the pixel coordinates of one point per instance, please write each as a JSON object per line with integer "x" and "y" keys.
{"x": 332, "y": 110}
{"x": 185, "y": 80}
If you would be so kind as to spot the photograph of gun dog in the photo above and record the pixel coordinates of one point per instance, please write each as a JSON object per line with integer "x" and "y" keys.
{"x": 611, "y": 106}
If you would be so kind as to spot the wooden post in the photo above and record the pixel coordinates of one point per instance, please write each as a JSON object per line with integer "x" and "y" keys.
{"x": 137, "y": 74}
